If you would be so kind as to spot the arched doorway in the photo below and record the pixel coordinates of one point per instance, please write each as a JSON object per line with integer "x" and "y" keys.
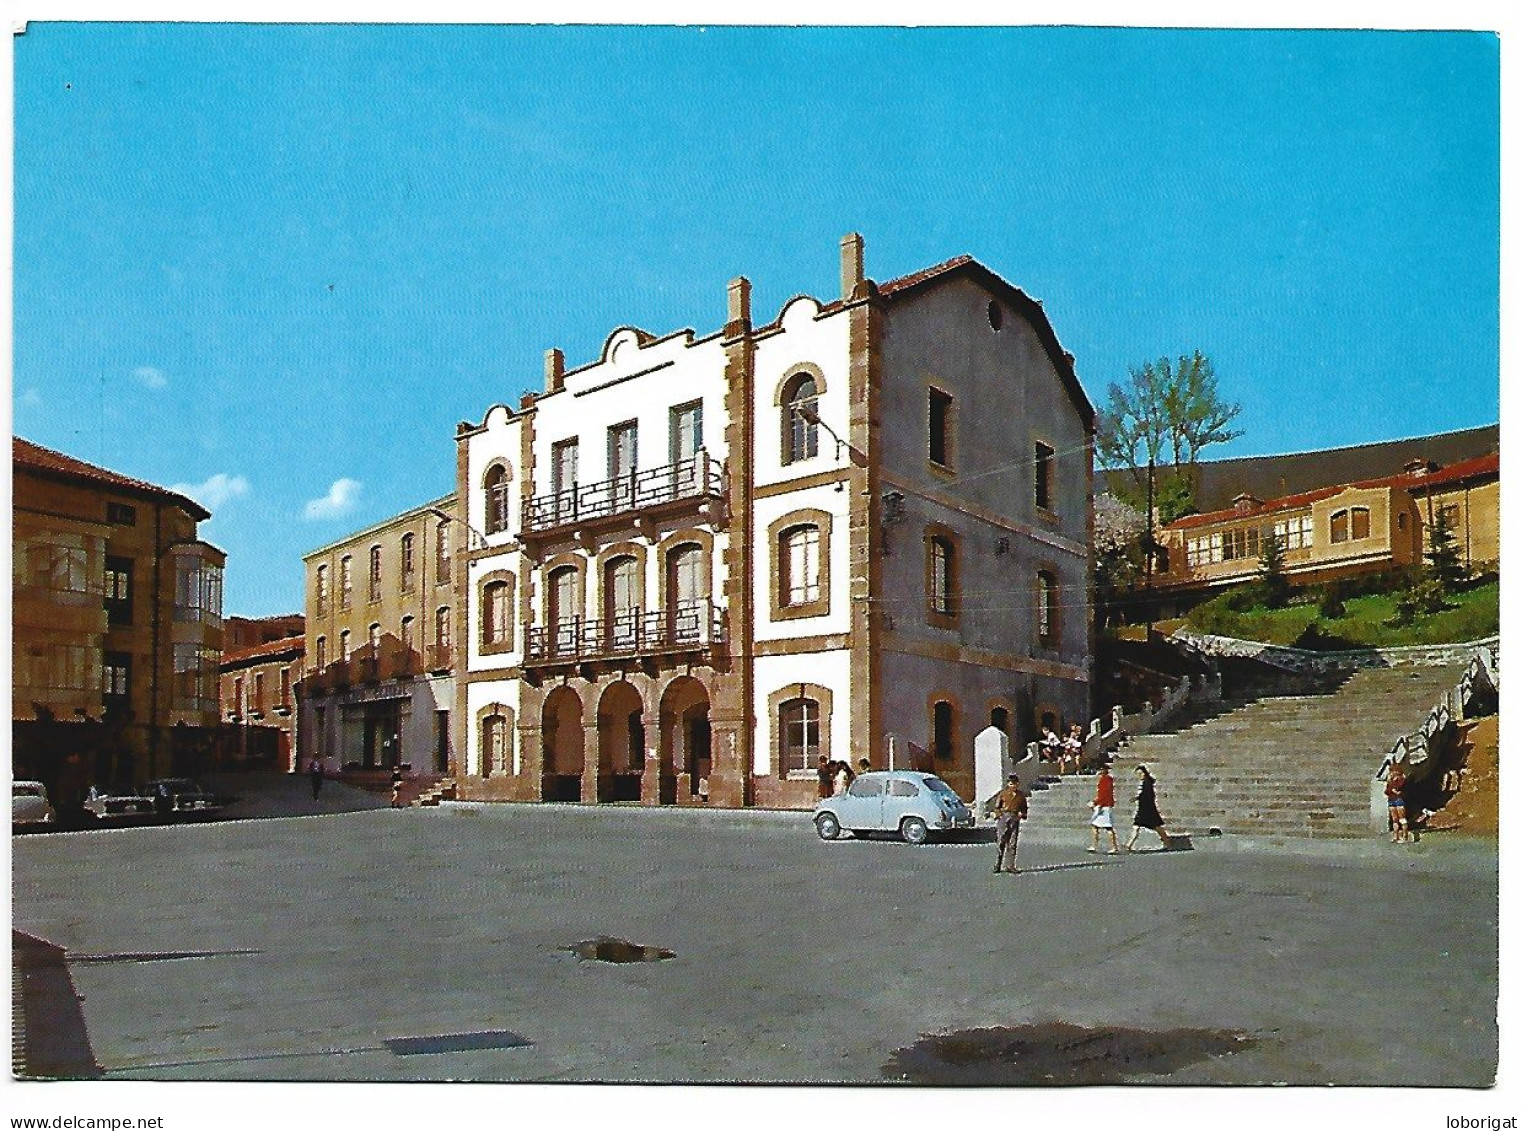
{"x": 684, "y": 742}
{"x": 562, "y": 746}
{"x": 622, "y": 744}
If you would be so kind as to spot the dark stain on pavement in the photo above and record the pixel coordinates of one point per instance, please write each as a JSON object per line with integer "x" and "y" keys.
{"x": 1056, "y": 1054}
{"x": 455, "y": 1042}
{"x": 158, "y": 955}
{"x": 607, "y": 949}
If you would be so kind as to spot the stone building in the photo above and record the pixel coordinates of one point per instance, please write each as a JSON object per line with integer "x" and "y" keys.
{"x": 1338, "y": 531}
{"x": 240, "y": 633}
{"x": 380, "y": 613}
{"x": 117, "y": 608}
{"x": 259, "y": 688}
{"x": 858, "y": 531}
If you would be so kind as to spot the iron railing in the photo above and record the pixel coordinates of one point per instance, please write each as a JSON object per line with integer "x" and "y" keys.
{"x": 698, "y": 477}
{"x": 638, "y": 633}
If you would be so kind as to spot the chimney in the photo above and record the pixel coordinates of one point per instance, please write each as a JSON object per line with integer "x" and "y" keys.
{"x": 739, "y": 302}
{"x": 1246, "y": 502}
{"x": 556, "y": 369}
{"x": 851, "y": 263}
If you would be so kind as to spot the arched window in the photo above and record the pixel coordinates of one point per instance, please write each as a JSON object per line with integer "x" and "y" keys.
{"x": 799, "y": 434}
{"x": 800, "y": 738}
{"x": 406, "y": 558}
{"x": 999, "y": 719}
{"x": 622, "y": 603}
{"x": 1047, "y": 608}
{"x": 344, "y": 645}
{"x": 374, "y": 637}
{"x": 406, "y": 633}
{"x": 344, "y": 582}
{"x": 941, "y": 576}
{"x": 1339, "y": 526}
{"x": 321, "y": 653}
{"x": 443, "y": 551}
{"x": 1360, "y": 523}
{"x": 497, "y": 486}
{"x": 495, "y": 613}
{"x": 443, "y": 628}
{"x": 374, "y": 575}
{"x": 495, "y": 730}
{"x": 800, "y": 562}
{"x": 322, "y": 585}
{"x": 943, "y": 730}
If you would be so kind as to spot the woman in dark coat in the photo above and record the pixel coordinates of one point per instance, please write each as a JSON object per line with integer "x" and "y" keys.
{"x": 1147, "y": 816}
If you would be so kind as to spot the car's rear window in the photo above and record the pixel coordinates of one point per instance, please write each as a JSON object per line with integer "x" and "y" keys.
{"x": 937, "y": 785}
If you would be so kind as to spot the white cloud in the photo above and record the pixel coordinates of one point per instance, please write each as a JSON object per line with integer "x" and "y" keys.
{"x": 216, "y": 491}
{"x": 150, "y": 377}
{"x": 30, "y": 399}
{"x": 340, "y": 500}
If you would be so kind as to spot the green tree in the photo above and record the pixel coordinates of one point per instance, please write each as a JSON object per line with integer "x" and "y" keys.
{"x": 1444, "y": 560}
{"x": 1272, "y": 580}
{"x": 1165, "y": 410}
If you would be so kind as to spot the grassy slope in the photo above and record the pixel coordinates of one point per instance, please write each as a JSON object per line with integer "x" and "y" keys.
{"x": 1473, "y": 615}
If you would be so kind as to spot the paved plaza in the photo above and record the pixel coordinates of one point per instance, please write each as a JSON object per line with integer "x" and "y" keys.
{"x": 423, "y": 944}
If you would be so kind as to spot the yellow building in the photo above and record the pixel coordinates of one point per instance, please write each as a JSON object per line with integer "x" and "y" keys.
{"x": 1338, "y": 531}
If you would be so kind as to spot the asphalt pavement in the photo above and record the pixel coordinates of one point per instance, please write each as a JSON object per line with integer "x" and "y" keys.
{"x": 464, "y": 943}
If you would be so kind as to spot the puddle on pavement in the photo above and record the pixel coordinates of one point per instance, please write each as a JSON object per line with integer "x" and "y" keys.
{"x": 1054, "y": 1053}
{"x": 607, "y": 949}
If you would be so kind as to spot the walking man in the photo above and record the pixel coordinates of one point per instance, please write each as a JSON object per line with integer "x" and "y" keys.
{"x": 1102, "y": 812}
{"x": 315, "y": 772}
{"x": 1012, "y": 807}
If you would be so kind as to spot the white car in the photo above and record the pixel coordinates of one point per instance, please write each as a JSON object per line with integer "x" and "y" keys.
{"x": 29, "y": 806}
{"x": 907, "y": 802}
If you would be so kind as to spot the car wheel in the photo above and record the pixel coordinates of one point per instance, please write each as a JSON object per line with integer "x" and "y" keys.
{"x": 827, "y": 826}
{"x": 914, "y": 830}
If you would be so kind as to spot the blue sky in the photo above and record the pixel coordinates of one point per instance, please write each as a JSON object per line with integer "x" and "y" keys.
{"x": 274, "y": 266}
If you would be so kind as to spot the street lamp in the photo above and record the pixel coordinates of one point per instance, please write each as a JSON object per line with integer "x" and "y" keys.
{"x": 809, "y": 415}
{"x": 482, "y": 539}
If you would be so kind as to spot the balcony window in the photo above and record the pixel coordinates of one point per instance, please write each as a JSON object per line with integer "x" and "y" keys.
{"x": 198, "y": 590}
{"x": 496, "y": 624}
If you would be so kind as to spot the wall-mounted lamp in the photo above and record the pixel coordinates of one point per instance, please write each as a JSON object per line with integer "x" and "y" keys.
{"x": 810, "y": 416}
{"x": 482, "y": 539}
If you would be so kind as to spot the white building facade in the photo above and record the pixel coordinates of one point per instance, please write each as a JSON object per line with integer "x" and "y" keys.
{"x": 701, "y": 564}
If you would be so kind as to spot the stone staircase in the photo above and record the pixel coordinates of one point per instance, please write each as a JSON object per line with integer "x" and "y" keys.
{"x": 1277, "y": 766}
{"x": 442, "y": 790}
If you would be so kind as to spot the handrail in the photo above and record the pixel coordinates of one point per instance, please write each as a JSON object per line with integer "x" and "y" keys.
{"x": 697, "y": 477}
{"x": 636, "y": 633}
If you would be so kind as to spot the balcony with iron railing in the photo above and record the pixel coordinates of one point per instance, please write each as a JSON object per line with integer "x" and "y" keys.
{"x": 374, "y": 663}
{"x": 636, "y": 634}
{"x": 586, "y": 504}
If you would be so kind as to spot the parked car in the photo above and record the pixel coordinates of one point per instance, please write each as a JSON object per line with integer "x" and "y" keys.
{"x": 182, "y": 797}
{"x": 30, "y": 808}
{"x": 913, "y": 804}
{"x": 118, "y": 805}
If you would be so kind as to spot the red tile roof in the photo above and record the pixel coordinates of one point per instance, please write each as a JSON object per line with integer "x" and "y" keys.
{"x": 24, "y": 453}
{"x": 295, "y": 644}
{"x": 1453, "y": 473}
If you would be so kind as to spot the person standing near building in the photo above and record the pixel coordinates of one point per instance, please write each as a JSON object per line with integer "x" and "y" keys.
{"x": 1102, "y": 812}
{"x": 1012, "y": 807}
{"x": 315, "y": 774}
{"x": 824, "y": 776}
{"x": 1394, "y": 791}
{"x": 1147, "y": 816}
{"x": 397, "y": 787}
